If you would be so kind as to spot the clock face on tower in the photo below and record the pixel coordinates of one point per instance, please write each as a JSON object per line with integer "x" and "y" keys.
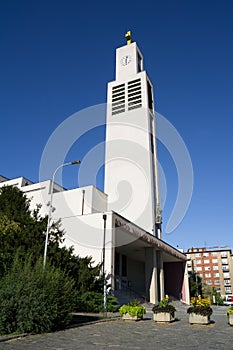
{"x": 126, "y": 60}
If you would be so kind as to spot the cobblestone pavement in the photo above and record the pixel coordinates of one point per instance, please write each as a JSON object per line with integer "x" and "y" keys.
{"x": 146, "y": 334}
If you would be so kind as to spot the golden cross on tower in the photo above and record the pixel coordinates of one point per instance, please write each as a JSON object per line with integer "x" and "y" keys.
{"x": 128, "y": 36}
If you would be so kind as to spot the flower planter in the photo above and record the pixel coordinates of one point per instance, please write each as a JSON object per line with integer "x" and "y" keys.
{"x": 199, "y": 311}
{"x": 163, "y": 317}
{"x": 133, "y": 311}
{"x": 128, "y": 317}
{"x": 198, "y": 319}
{"x": 230, "y": 319}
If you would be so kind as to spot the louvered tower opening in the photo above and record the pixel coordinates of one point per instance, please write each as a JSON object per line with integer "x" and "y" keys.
{"x": 134, "y": 97}
{"x": 134, "y": 94}
{"x": 118, "y": 99}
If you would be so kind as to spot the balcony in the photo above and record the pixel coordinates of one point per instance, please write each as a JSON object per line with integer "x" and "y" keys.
{"x": 226, "y": 283}
{"x": 225, "y": 268}
{"x": 224, "y": 261}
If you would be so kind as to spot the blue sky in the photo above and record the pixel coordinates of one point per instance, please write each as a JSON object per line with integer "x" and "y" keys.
{"x": 57, "y": 57}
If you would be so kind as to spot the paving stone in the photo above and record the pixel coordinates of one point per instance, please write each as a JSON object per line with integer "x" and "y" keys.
{"x": 141, "y": 335}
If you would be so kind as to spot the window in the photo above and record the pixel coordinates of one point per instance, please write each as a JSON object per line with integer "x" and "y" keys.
{"x": 228, "y": 289}
{"x": 214, "y": 254}
{"x": 124, "y": 265}
{"x": 227, "y": 281}
{"x": 117, "y": 263}
{"x": 152, "y": 143}
{"x": 214, "y": 261}
{"x": 208, "y": 282}
{"x": 150, "y": 96}
{"x": 225, "y": 268}
{"x": 216, "y": 274}
{"x": 205, "y": 254}
{"x": 139, "y": 63}
{"x": 226, "y": 274}
{"x": 208, "y": 275}
{"x": 223, "y": 254}
{"x": 197, "y": 255}
{"x": 215, "y": 268}
{"x": 201, "y": 275}
{"x": 198, "y": 261}
{"x": 207, "y": 268}
{"x": 199, "y": 268}
{"x": 206, "y": 261}
{"x": 224, "y": 261}
{"x": 216, "y": 282}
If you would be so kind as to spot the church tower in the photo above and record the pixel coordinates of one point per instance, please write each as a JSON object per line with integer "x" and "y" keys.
{"x": 131, "y": 171}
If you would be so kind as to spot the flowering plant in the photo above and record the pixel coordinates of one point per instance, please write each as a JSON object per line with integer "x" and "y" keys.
{"x": 164, "y": 306}
{"x": 200, "y": 306}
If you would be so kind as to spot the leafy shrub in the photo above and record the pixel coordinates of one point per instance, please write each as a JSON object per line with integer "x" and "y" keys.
{"x": 94, "y": 302}
{"x": 134, "y": 303}
{"x": 200, "y": 310}
{"x": 33, "y": 300}
{"x": 229, "y": 311}
{"x": 132, "y": 310}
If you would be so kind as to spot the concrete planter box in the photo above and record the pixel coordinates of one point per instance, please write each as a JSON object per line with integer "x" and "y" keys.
{"x": 198, "y": 319}
{"x": 128, "y": 317}
{"x": 230, "y": 319}
{"x": 163, "y": 317}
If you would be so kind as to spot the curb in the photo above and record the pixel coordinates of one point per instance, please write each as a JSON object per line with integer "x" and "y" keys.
{"x": 10, "y": 337}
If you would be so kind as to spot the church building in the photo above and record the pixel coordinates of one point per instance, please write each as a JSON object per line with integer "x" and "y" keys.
{"x": 121, "y": 226}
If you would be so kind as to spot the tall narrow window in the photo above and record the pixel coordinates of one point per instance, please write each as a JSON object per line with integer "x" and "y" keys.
{"x": 152, "y": 143}
{"x": 117, "y": 264}
{"x": 139, "y": 63}
{"x": 124, "y": 265}
{"x": 150, "y": 96}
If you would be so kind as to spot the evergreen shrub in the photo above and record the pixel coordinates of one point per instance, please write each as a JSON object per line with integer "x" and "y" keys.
{"x": 94, "y": 302}
{"x": 33, "y": 300}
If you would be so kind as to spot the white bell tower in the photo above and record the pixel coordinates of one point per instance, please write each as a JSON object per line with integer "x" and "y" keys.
{"x": 131, "y": 172}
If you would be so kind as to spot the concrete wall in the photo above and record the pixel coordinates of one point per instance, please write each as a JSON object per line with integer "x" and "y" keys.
{"x": 125, "y": 70}
{"x": 83, "y": 232}
{"x": 130, "y": 161}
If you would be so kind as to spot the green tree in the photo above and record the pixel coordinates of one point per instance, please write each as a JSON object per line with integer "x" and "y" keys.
{"x": 195, "y": 284}
{"x": 212, "y": 293}
{"x": 22, "y": 232}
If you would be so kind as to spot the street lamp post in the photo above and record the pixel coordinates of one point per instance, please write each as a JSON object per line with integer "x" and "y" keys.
{"x": 50, "y": 206}
{"x": 105, "y": 284}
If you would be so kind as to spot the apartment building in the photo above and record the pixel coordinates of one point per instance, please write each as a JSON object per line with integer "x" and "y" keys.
{"x": 214, "y": 265}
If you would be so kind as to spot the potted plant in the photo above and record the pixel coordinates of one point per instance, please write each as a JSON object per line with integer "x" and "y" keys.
{"x": 164, "y": 311}
{"x": 132, "y": 311}
{"x": 230, "y": 315}
{"x": 199, "y": 311}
